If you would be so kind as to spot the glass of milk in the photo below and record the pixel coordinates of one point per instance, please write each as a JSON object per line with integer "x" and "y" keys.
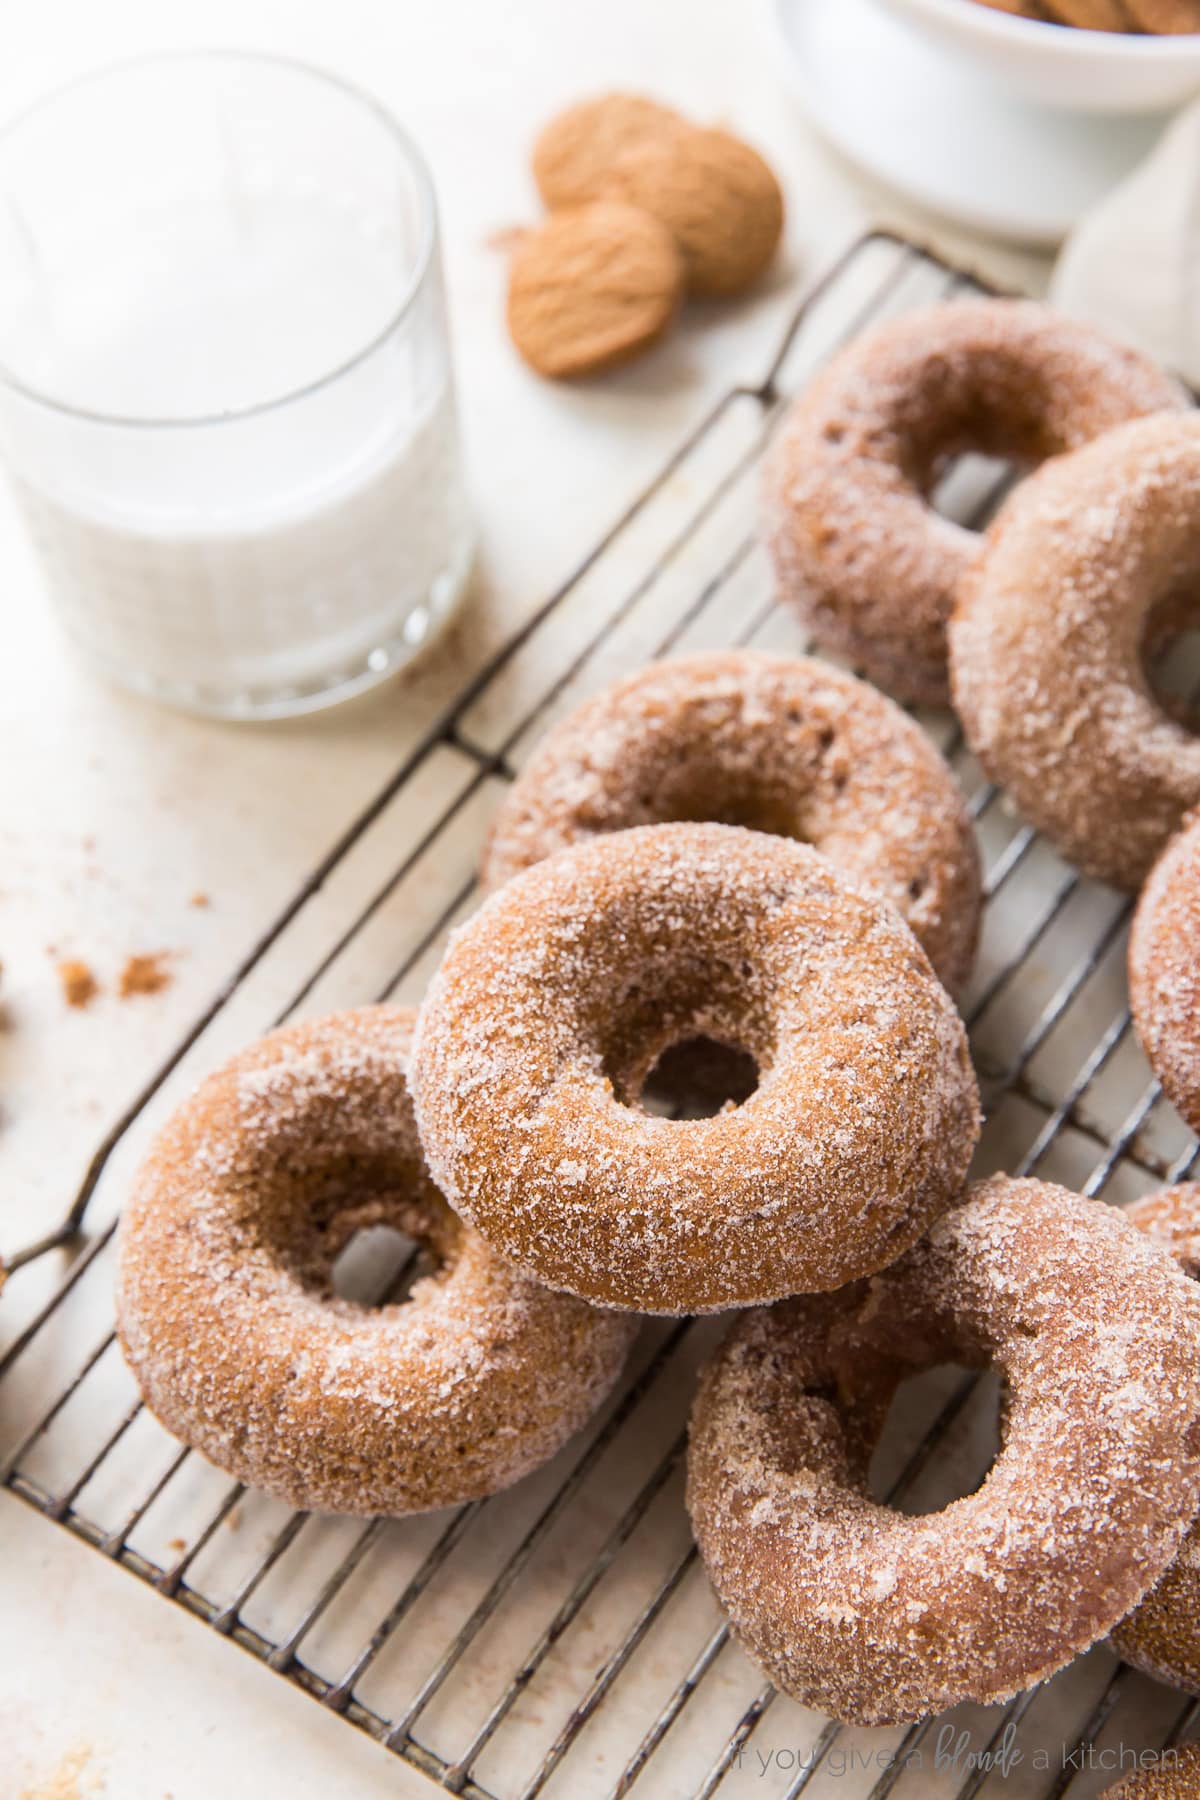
{"x": 226, "y": 402}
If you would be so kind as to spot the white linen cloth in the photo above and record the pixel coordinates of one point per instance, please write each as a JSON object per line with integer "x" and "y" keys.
{"x": 1133, "y": 263}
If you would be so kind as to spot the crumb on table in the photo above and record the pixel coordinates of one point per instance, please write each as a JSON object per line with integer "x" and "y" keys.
{"x": 79, "y": 985}
{"x": 146, "y": 973}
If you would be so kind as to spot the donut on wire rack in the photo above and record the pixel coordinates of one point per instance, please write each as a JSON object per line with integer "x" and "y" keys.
{"x": 228, "y": 1318}
{"x": 857, "y": 547}
{"x": 1091, "y": 559}
{"x": 556, "y": 1001}
{"x": 786, "y": 745}
{"x": 1164, "y": 971}
{"x": 877, "y": 1617}
{"x": 1162, "y": 1637}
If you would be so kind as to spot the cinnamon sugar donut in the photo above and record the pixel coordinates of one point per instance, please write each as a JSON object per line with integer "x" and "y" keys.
{"x": 556, "y": 1001}
{"x": 782, "y": 744}
{"x": 1174, "y": 1775}
{"x": 1047, "y": 639}
{"x": 1163, "y": 1636}
{"x": 857, "y": 548}
{"x": 878, "y": 1617}
{"x": 228, "y": 1319}
{"x": 1164, "y": 970}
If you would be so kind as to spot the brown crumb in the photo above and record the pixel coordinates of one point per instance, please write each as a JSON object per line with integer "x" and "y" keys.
{"x": 200, "y": 898}
{"x": 144, "y": 974}
{"x": 177, "y": 1544}
{"x": 234, "y": 1521}
{"x": 79, "y": 985}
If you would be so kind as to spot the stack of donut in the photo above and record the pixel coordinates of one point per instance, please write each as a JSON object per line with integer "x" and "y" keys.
{"x": 1040, "y": 635}
{"x": 756, "y": 873}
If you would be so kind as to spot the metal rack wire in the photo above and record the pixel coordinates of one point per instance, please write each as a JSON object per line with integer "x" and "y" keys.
{"x": 561, "y": 1638}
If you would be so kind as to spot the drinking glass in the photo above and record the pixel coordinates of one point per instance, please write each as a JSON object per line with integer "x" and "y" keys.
{"x": 226, "y": 399}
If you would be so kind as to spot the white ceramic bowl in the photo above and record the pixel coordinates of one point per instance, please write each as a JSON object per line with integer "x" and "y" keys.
{"x": 1059, "y": 65}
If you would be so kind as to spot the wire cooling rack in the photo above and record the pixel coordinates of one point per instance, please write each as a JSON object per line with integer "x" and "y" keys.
{"x": 561, "y": 1638}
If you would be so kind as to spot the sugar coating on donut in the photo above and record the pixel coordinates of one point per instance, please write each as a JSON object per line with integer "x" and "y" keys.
{"x": 1047, "y": 645}
{"x": 1174, "y": 1776}
{"x": 878, "y": 1617}
{"x": 1164, "y": 970}
{"x": 786, "y": 745}
{"x": 554, "y": 1003}
{"x": 857, "y": 548}
{"x": 228, "y": 1318}
{"x": 1162, "y": 1636}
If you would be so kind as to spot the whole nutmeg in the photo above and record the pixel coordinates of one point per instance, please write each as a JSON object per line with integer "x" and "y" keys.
{"x": 592, "y": 287}
{"x": 715, "y": 195}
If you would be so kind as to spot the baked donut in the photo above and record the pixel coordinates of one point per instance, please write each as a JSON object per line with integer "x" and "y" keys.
{"x": 1163, "y": 1636}
{"x": 555, "y": 1002}
{"x": 878, "y": 1617}
{"x": 1174, "y": 1775}
{"x": 228, "y": 1319}
{"x": 786, "y": 745}
{"x": 1164, "y": 971}
{"x": 857, "y": 548}
{"x": 1046, "y": 646}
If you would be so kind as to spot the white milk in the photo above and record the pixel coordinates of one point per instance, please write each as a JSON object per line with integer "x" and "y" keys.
{"x": 240, "y": 562}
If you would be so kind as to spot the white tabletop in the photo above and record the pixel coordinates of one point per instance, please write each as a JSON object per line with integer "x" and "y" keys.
{"x": 116, "y": 815}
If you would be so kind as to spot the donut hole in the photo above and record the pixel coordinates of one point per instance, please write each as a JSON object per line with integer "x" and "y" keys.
{"x": 972, "y": 426}
{"x": 755, "y": 811}
{"x": 379, "y": 1265}
{"x": 1170, "y": 655}
{"x": 758, "y": 770}
{"x": 687, "y": 1035}
{"x": 967, "y": 489}
{"x": 360, "y": 1227}
{"x": 708, "y": 797}
{"x": 697, "y": 1078}
{"x": 939, "y": 1440}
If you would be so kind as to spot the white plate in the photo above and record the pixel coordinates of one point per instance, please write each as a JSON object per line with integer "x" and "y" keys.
{"x": 922, "y": 121}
